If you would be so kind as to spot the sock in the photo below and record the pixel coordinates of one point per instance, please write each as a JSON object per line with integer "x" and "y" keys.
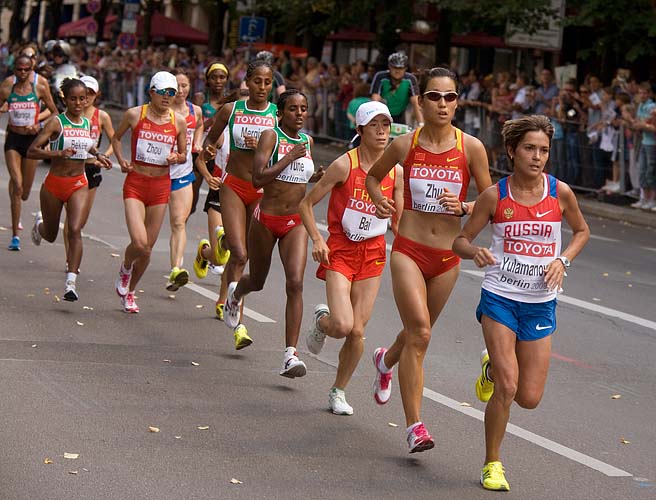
{"x": 382, "y": 368}
{"x": 412, "y": 427}
{"x": 290, "y": 351}
{"x": 71, "y": 277}
{"x": 124, "y": 269}
{"x": 487, "y": 372}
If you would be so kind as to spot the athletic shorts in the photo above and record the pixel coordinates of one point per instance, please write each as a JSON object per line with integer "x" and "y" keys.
{"x": 278, "y": 225}
{"x": 244, "y": 189}
{"x": 94, "y": 177}
{"x": 431, "y": 261}
{"x": 18, "y": 142}
{"x": 529, "y": 321}
{"x": 213, "y": 201}
{"x": 64, "y": 187}
{"x": 356, "y": 261}
{"x": 184, "y": 181}
{"x": 150, "y": 190}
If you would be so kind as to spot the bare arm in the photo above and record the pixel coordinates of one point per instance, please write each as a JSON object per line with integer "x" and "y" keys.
{"x": 43, "y": 93}
{"x": 398, "y": 198}
{"x": 181, "y": 155}
{"x": 107, "y": 128}
{"x": 394, "y": 154}
{"x": 196, "y": 142}
{"x": 483, "y": 212}
{"x": 128, "y": 121}
{"x": 36, "y": 150}
{"x": 220, "y": 122}
{"x": 262, "y": 174}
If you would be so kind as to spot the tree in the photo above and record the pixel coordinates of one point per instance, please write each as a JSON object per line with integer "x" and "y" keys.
{"x": 16, "y": 24}
{"x": 100, "y": 16}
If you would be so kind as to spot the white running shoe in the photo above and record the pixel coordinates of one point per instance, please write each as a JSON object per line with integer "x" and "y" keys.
{"x": 123, "y": 282}
{"x": 129, "y": 304}
{"x": 383, "y": 381}
{"x": 36, "y": 235}
{"x": 639, "y": 204}
{"x": 216, "y": 270}
{"x": 337, "y": 402}
{"x": 292, "y": 367}
{"x": 315, "y": 337}
{"x": 70, "y": 294}
{"x": 231, "y": 307}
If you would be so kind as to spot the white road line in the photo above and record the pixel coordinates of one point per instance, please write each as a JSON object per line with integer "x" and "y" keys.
{"x": 545, "y": 443}
{"x": 213, "y": 296}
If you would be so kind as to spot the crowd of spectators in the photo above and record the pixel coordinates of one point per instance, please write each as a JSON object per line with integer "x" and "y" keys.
{"x": 598, "y": 124}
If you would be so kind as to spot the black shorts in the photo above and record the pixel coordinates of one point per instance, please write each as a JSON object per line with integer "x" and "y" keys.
{"x": 18, "y": 142}
{"x": 94, "y": 177}
{"x": 193, "y": 163}
{"x": 212, "y": 201}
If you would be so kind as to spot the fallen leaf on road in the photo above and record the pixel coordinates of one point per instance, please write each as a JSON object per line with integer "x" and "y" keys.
{"x": 392, "y": 424}
{"x": 630, "y": 285}
{"x": 141, "y": 291}
{"x": 85, "y": 470}
{"x": 171, "y": 297}
{"x": 71, "y": 456}
{"x": 166, "y": 360}
{"x": 115, "y": 255}
{"x": 596, "y": 299}
{"x": 624, "y": 441}
{"x": 90, "y": 281}
{"x": 47, "y": 461}
{"x": 153, "y": 429}
{"x": 605, "y": 275}
{"x": 30, "y": 295}
{"x": 236, "y": 481}
{"x": 628, "y": 273}
{"x": 87, "y": 308}
{"x": 203, "y": 427}
{"x": 46, "y": 291}
{"x": 177, "y": 437}
{"x": 464, "y": 404}
{"x": 57, "y": 299}
{"x": 3, "y": 228}
{"x": 199, "y": 306}
{"x": 79, "y": 323}
{"x": 74, "y": 472}
{"x": 193, "y": 363}
{"x": 33, "y": 345}
{"x": 616, "y": 396}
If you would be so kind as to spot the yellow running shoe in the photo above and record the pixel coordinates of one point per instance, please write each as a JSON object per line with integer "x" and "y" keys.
{"x": 201, "y": 264}
{"x": 484, "y": 386}
{"x": 222, "y": 254}
{"x": 241, "y": 337}
{"x": 219, "y": 310}
{"x": 493, "y": 478}
{"x": 177, "y": 279}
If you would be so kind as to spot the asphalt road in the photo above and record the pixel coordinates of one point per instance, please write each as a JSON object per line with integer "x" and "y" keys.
{"x": 87, "y": 379}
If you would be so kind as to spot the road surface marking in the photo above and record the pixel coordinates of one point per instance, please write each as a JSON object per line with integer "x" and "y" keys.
{"x": 213, "y": 296}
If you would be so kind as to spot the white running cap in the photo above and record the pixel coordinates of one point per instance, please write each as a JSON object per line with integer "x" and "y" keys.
{"x": 90, "y": 82}
{"x": 369, "y": 110}
{"x": 163, "y": 80}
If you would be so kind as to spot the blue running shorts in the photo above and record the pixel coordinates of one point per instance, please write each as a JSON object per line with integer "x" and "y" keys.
{"x": 181, "y": 182}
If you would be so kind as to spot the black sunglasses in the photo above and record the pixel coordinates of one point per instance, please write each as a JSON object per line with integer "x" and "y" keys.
{"x": 165, "y": 92}
{"x": 436, "y": 95}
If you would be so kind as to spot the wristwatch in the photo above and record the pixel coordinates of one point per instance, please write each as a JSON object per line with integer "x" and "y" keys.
{"x": 464, "y": 207}
{"x": 565, "y": 261}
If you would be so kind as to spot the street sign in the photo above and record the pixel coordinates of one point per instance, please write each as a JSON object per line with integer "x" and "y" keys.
{"x": 252, "y": 29}
{"x": 92, "y": 26}
{"x": 93, "y": 6}
{"x": 127, "y": 41}
{"x": 550, "y": 38}
{"x": 129, "y": 25}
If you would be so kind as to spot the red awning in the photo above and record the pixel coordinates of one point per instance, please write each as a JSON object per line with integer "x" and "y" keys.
{"x": 160, "y": 27}
{"x": 278, "y": 48}
{"x": 474, "y": 39}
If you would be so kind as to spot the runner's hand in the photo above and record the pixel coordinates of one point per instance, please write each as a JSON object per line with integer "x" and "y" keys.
{"x": 67, "y": 153}
{"x": 209, "y": 153}
{"x": 297, "y": 151}
{"x": 483, "y": 257}
{"x": 554, "y": 275}
{"x": 385, "y": 208}
{"x": 104, "y": 161}
{"x": 320, "y": 252}
{"x": 125, "y": 166}
{"x": 318, "y": 174}
{"x": 250, "y": 141}
{"x": 450, "y": 201}
{"x": 214, "y": 183}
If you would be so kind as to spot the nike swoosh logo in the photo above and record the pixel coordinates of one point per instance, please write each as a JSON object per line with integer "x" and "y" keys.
{"x": 379, "y": 263}
{"x": 539, "y": 327}
{"x": 168, "y": 131}
{"x": 539, "y": 215}
{"x": 449, "y": 160}
{"x": 183, "y": 182}
{"x": 444, "y": 259}
{"x": 386, "y": 188}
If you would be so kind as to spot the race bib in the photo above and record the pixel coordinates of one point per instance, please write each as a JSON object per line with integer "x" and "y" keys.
{"x": 300, "y": 170}
{"x": 359, "y": 221}
{"x": 23, "y": 114}
{"x": 250, "y": 126}
{"x": 153, "y": 147}
{"x": 427, "y": 183}
{"x": 80, "y": 140}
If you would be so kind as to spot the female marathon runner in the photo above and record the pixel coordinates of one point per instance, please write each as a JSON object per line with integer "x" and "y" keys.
{"x": 156, "y": 133}
{"x": 23, "y": 93}
{"x": 71, "y": 144}
{"x": 282, "y": 166}
{"x": 518, "y": 308}
{"x": 353, "y": 260}
{"x": 246, "y": 120}
{"x": 438, "y": 161}
{"x": 182, "y": 178}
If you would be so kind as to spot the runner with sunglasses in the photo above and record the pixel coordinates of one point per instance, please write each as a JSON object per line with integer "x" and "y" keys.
{"x": 156, "y": 133}
{"x": 246, "y": 121}
{"x": 22, "y": 92}
{"x": 517, "y": 309}
{"x": 71, "y": 144}
{"x": 438, "y": 162}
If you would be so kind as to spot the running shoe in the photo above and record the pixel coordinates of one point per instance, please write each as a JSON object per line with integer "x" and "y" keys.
{"x": 639, "y": 204}
{"x": 123, "y": 282}
{"x": 216, "y": 270}
{"x": 201, "y": 263}
{"x": 36, "y": 235}
{"x": 232, "y": 306}
{"x": 493, "y": 477}
{"x": 70, "y": 294}
{"x": 177, "y": 279}
{"x": 315, "y": 337}
{"x": 14, "y": 244}
{"x": 219, "y": 310}
{"x": 292, "y": 367}
{"x": 129, "y": 304}
{"x": 419, "y": 439}
{"x": 383, "y": 381}
{"x": 484, "y": 386}
{"x": 222, "y": 254}
{"x": 337, "y": 402}
{"x": 20, "y": 225}
{"x": 241, "y": 337}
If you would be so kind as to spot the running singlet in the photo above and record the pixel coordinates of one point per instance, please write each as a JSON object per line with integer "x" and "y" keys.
{"x": 246, "y": 122}
{"x": 350, "y": 210}
{"x": 73, "y": 135}
{"x": 24, "y": 109}
{"x": 222, "y": 155}
{"x": 181, "y": 169}
{"x": 525, "y": 240}
{"x": 426, "y": 175}
{"x": 95, "y": 127}
{"x": 152, "y": 143}
{"x": 300, "y": 170}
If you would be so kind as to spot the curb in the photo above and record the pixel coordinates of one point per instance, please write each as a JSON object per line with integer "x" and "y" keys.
{"x": 617, "y": 213}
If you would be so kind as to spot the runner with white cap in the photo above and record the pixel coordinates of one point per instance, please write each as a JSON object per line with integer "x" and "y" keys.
{"x": 352, "y": 260}
{"x": 156, "y": 133}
